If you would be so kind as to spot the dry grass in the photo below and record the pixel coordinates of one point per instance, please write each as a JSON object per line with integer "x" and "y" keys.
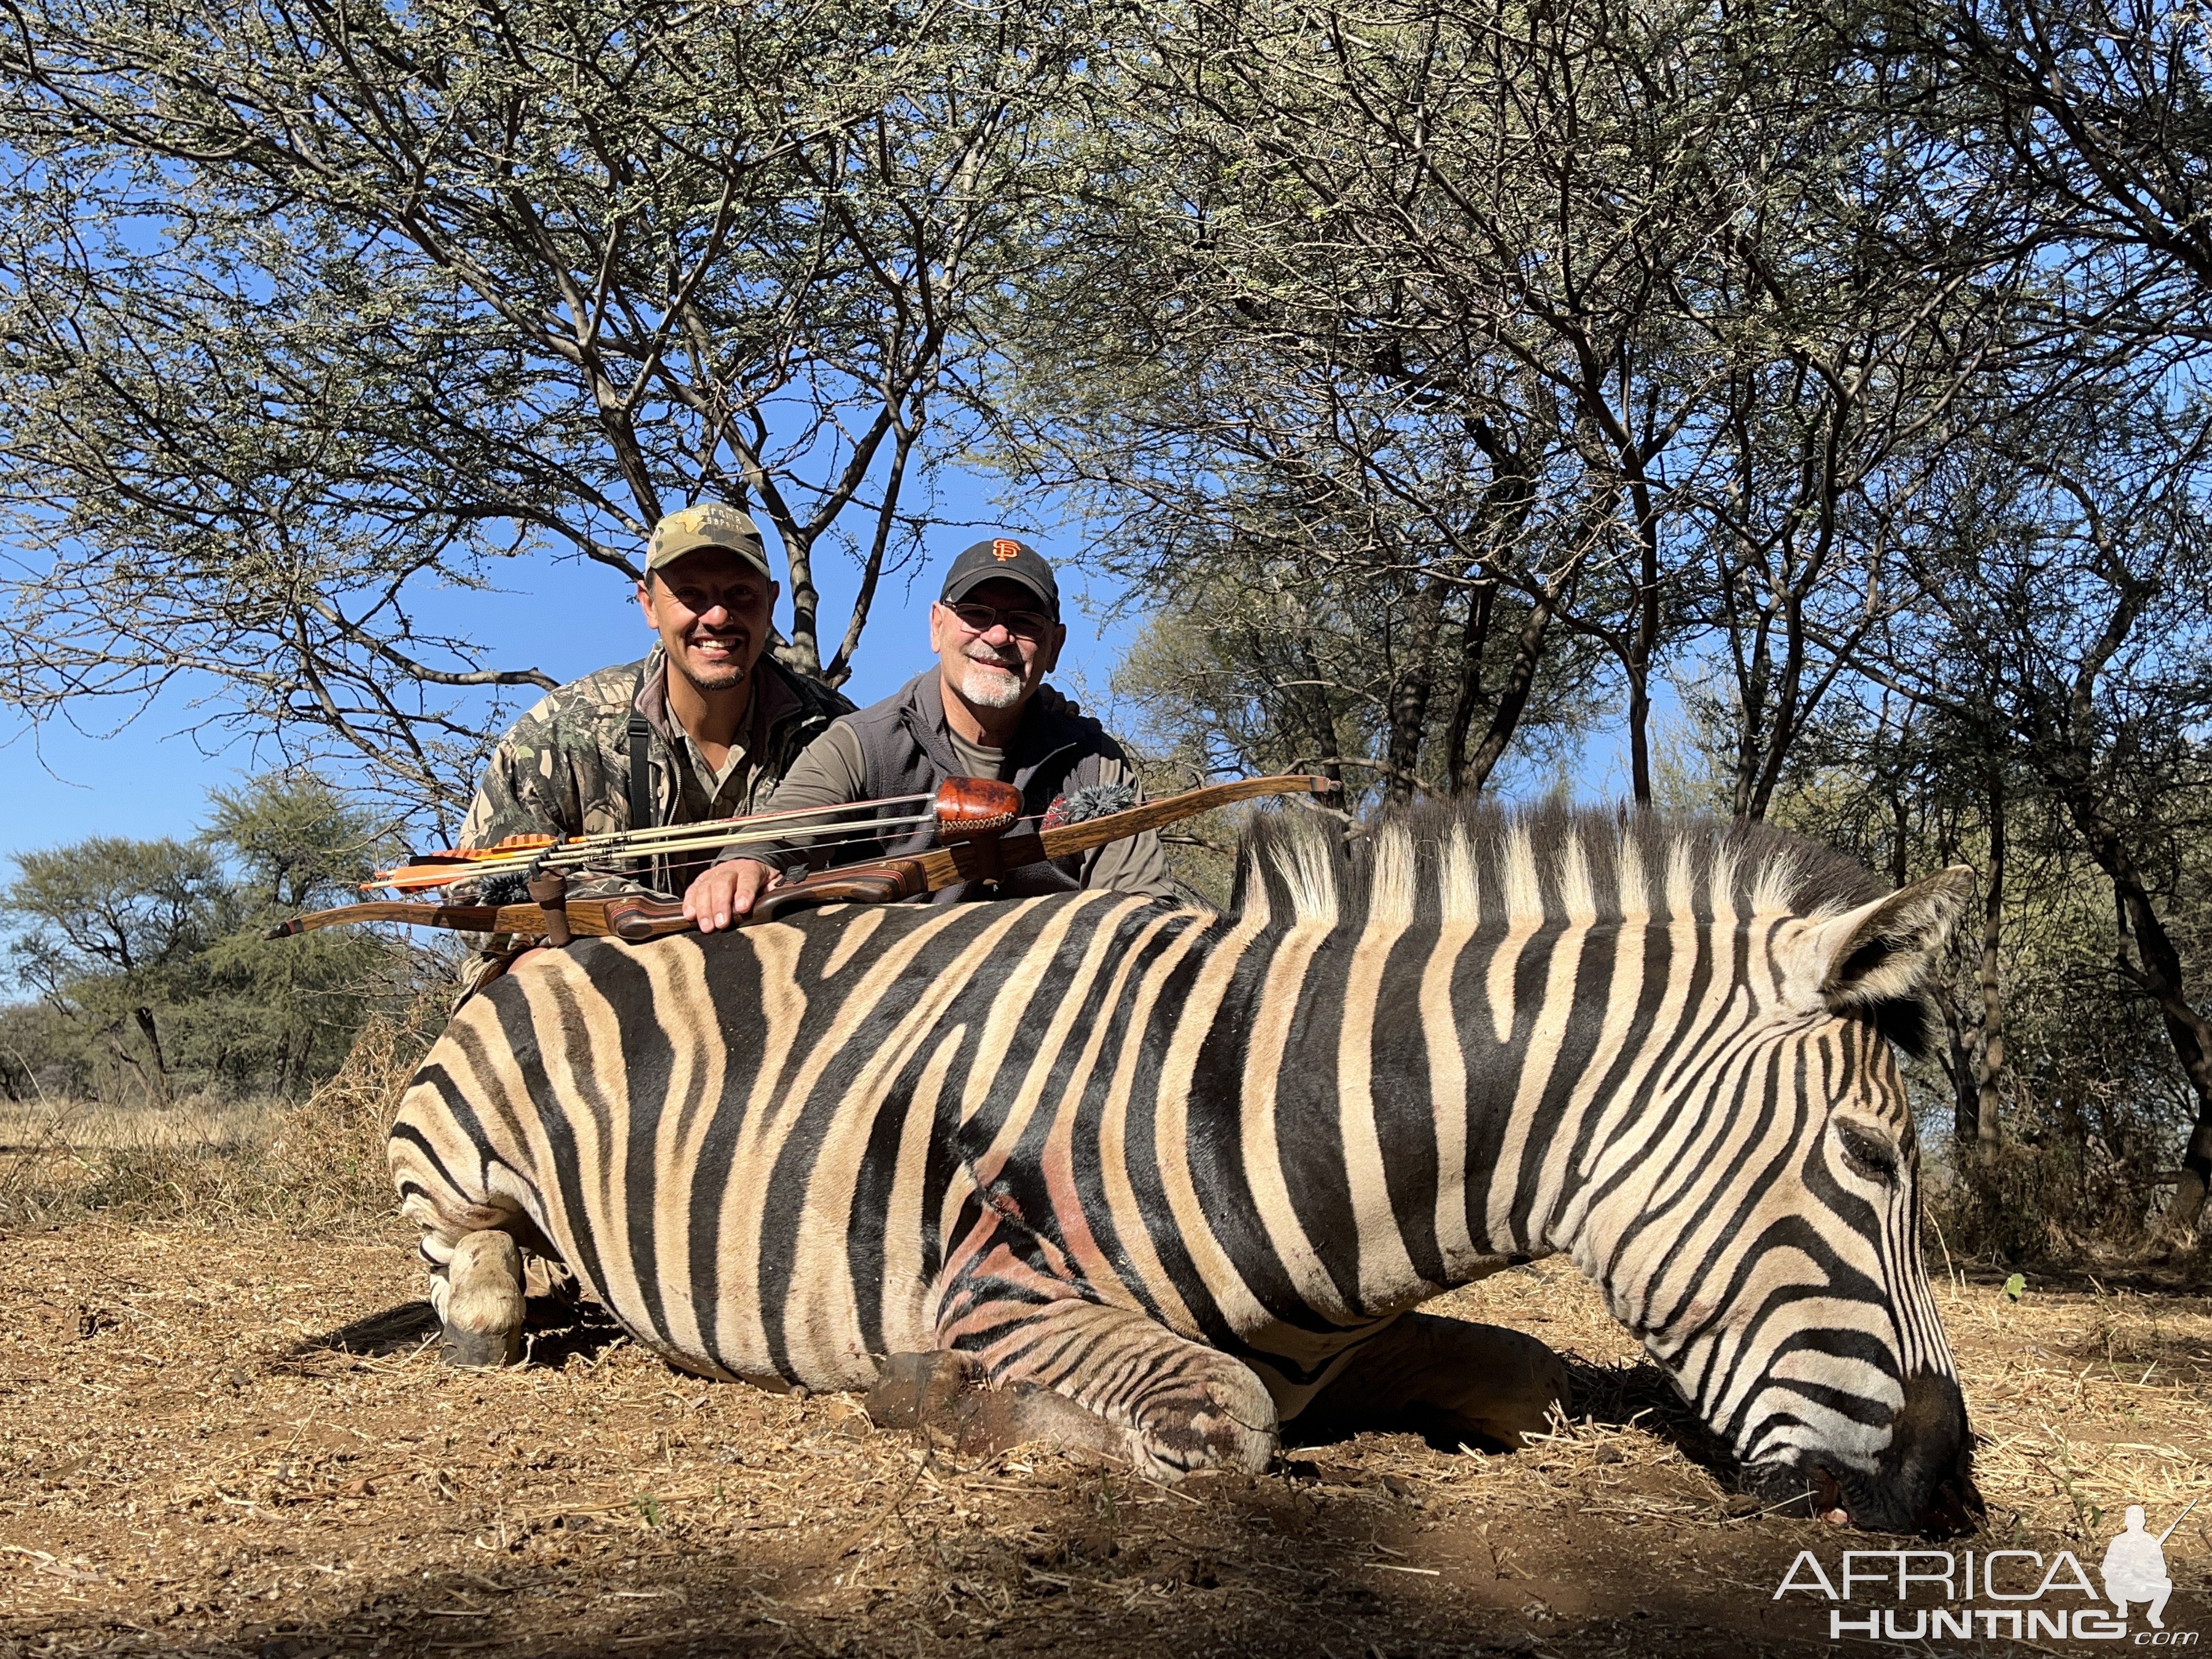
{"x": 222, "y": 1434}
{"x": 198, "y": 1124}
{"x": 2089, "y": 1399}
{"x": 314, "y": 1166}
{"x": 224, "y": 1443}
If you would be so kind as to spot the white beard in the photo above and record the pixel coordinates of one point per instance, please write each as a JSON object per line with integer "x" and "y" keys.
{"x": 988, "y": 688}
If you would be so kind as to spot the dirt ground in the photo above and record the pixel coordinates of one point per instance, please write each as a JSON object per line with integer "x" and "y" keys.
{"x": 237, "y": 1443}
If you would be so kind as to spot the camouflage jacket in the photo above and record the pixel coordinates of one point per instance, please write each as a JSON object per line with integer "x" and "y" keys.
{"x": 564, "y": 767}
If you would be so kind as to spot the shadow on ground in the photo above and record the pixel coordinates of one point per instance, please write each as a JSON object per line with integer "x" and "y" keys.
{"x": 557, "y": 1330}
{"x": 1637, "y": 1394}
{"x": 1073, "y": 1560}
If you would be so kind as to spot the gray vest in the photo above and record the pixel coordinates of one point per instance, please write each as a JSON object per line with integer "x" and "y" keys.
{"x": 903, "y": 740}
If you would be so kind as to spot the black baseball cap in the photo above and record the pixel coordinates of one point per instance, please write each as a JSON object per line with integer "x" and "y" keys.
{"x": 1001, "y": 558}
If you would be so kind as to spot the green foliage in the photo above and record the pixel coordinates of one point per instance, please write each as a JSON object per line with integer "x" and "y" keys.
{"x": 146, "y": 960}
{"x": 295, "y": 841}
{"x": 142, "y": 911}
{"x": 287, "y": 1017}
{"x": 43, "y": 1056}
{"x": 1243, "y": 675}
{"x": 310, "y": 311}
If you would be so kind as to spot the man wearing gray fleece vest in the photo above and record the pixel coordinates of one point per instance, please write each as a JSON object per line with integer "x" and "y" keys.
{"x": 984, "y": 711}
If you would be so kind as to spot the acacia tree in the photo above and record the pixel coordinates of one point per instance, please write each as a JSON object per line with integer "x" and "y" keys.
{"x": 153, "y": 951}
{"x": 278, "y": 1016}
{"x": 306, "y": 310}
{"x": 1249, "y": 671}
{"x": 2064, "y": 613}
{"x": 2090, "y": 118}
{"x": 110, "y": 931}
{"x": 1354, "y": 312}
{"x": 1632, "y": 314}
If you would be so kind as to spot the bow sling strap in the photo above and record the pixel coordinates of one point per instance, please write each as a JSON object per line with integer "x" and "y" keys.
{"x": 641, "y": 773}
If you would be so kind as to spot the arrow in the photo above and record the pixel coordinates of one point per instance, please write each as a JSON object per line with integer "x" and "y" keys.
{"x": 640, "y": 919}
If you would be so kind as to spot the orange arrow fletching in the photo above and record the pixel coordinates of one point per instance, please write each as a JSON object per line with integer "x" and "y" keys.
{"x": 436, "y": 869}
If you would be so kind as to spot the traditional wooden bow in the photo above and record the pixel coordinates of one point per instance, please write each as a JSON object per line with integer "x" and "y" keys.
{"x": 976, "y": 853}
{"x": 518, "y": 853}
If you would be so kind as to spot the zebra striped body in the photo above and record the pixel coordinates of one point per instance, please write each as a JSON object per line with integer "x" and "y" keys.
{"x": 784, "y": 1153}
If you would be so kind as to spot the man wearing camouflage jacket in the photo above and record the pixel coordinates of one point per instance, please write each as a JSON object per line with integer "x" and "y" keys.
{"x": 707, "y": 740}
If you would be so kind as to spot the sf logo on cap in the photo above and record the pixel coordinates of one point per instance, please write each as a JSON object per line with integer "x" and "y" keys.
{"x": 1002, "y": 549}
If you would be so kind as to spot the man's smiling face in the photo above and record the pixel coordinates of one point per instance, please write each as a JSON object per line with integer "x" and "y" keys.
{"x": 711, "y": 609}
{"x": 998, "y": 665}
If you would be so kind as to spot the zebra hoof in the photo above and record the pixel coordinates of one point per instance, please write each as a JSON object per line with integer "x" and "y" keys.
{"x": 483, "y": 1306}
{"x": 481, "y": 1349}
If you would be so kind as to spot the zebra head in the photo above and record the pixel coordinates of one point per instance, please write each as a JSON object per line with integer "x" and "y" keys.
{"x": 1774, "y": 1266}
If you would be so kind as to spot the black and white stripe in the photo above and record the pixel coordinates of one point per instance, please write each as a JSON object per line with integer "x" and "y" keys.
{"x": 1662, "y": 1046}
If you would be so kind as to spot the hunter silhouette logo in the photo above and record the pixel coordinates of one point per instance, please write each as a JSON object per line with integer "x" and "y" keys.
{"x": 2028, "y": 1596}
{"x": 1002, "y": 549}
{"x": 2135, "y": 1567}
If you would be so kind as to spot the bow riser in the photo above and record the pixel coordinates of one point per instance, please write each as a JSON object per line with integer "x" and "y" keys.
{"x": 974, "y": 855}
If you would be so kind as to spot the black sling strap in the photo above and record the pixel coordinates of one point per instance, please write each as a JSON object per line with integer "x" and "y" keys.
{"x": 640, "y": 774}
{"x": 640, "y": 764}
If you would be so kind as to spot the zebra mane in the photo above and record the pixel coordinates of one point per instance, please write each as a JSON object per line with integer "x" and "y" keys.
{"x": 1473, "y": 861}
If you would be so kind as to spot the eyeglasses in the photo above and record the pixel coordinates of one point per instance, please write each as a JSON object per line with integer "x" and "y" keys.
{"x": 982, "y": 618}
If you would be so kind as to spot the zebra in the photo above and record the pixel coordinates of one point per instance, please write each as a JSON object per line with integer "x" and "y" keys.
{"x": 1099, "y": 1169}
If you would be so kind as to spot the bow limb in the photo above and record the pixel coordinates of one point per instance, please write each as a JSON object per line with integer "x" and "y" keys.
{"x": 1158, "y": 814}
{"x": 638, "y": 919}
{"x": 975, "y": 859}
{"x": 587, "y": 917}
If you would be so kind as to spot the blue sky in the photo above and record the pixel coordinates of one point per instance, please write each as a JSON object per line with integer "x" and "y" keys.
{"x": 151, "y": 776}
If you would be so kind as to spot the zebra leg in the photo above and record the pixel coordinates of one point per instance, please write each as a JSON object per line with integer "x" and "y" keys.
{"x": 1168, "y": 1405}
{"x": 474, "y": 1243}
{"x": 1473, "y": 1381}
{"x": 483, "y": 1314}
{"x": 949, "y": 1394}
{"x": 476, "y": 1286}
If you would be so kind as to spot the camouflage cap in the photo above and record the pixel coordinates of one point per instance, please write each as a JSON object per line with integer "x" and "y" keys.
{"x": 707, "y": 523}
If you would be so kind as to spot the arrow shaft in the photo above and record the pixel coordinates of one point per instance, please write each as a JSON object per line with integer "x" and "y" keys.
{"x": 924, "y": 872}
{"x": 578, "y": 854}
{"x": 617, "y": 843}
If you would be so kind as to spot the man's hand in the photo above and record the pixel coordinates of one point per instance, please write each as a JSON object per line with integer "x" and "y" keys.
{"x": 724, "y": 893}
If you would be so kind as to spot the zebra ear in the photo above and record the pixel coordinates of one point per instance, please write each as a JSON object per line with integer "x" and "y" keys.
{"x": 1882, "y": 953}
